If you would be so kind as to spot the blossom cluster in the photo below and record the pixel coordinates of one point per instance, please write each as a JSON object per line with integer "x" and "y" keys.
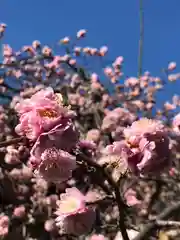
{"x": 63, "y": 110}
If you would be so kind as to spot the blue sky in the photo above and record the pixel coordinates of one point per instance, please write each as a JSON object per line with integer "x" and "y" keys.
{"x": 114, "y": 23}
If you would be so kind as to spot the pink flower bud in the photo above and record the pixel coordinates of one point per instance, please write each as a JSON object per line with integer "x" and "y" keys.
{"x": 81, "y": 33}
{"x": 172, "y": 66}
{"x": 19, "y": 212}
{"x": 49, "y": 225}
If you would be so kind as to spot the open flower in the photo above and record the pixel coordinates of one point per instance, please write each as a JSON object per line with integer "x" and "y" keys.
{"x": 176, "y": 124}
{"x": 149, "y": 146}
{"x": 49, "y": 155}
{"x": 74, "y": 217}
{"x": 43, "y": 111}
{"x": 54, "y": 165}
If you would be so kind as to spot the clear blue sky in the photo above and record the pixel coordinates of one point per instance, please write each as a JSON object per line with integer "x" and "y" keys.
{"x": 114, "y": 23}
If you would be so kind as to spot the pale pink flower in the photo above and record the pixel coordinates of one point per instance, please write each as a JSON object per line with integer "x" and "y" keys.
{"x": 108, "y": 71}
{"x": 176, "y": 124}
{"x": 97, "y": 237}
{"x": 54, "y": 165}
{"x": 7, "y": 51}
{"x": 86, "y": 50}
{"x": 149, "y": 145}
{"x": 131, "y": 82}
{"x": 72, "y": 61}
{"x": 173, "y": 77}
{"x": 40, "y": 113}
{"x": 169, "y": 107}
{"x": 49, "y": 225}
{"x": 36, "y": 44}
{"x": 171, "y": 66}
{"x": 81, "y": 33}
{"x": 131, "y": 198}
{"x": 103, "y": 50}
{"x": 4, "y": 225}
{"x": 55, "y": 63}
{"x": 118, "y": 116}
{"x": 77, "y": 51}
{"x": 65, "y": 40}
{"x": 93, "y": 51}
{"x": 93, "y": 135}
{"x": 19, "y": 212}
{"x": 118, "y": 62}
{"x": 74, "y": 217}
{"x": 47, "y": 51}
{"x": 94, "y": 77}
{"x": 114, "y": 157}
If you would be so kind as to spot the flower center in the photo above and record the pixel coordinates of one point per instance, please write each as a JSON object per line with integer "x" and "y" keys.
{"x": 69, "y": 205}
{"x": 49, "y": 113}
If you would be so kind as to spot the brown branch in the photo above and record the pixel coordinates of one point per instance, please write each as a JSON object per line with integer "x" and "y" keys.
{"x": 152, "y": 226}
{"x": 11, "y": 141}
{"x": 120, "y": 203}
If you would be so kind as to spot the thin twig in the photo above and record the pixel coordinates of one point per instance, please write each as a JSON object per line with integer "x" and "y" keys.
{"x": 141, "y": 39}
{"x": 163, "y": 223}
{"x": 168, "y": 212}
{"x": 11, "y": 142}
{"x": 120, "y": 203}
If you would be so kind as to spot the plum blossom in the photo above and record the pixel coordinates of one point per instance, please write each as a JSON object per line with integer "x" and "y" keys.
{"x": 131, "y": 199}
{"x": 97, "y": 237}
{"x": 40, "y": 113}
{"x": 114, "y": 159}
{"x": 4, "y": 225}
{"x": 171, "y": 66}
{"x": 54, "y": 165}
{"x": 148, "y": 143}
{"x": 74, "y": 217}
{"x": 49, "y": 155}
{"x": 176, "y": 124}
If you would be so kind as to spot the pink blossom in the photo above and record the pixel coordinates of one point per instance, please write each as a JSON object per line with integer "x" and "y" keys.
{"x": 176, "y": 124}
{"x": 103, "y": 50}
{"x": 77, "y": 51}
{"x": 118, "y": 62}
{"x": 49, "y": 155}
{"x": 7, "y": 51}
{"x": 81, "y": 33}
{"x": 131, "y": 199}
{"x": 172, "y": 66}
{"x": 49, "y": 225}
{"x": 19, "y": 212}
{"x": 108, "y": 71}
{"x": 54, "y": 165}
{"x": 149, "y": 146}
{"x": 97, "y": 237}
{"x": 94, "y": 77}
{"x": 4, "y": 225}
{"x": 74, "y": 217}
{"x": 131, "y": 82}
{"x": 36, "y": 44}
{"x": 40, "y": 113}
{"x": 173, "y": 77}
{"x": 65, "y": 40}
{"x": 55, "y": 63}
{"x": 93, "y": 135}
